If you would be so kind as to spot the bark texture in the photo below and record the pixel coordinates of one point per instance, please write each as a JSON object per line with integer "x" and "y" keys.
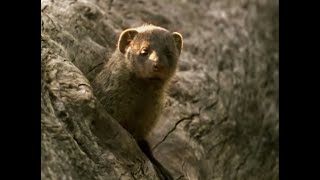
{"x": 221, "y": 119}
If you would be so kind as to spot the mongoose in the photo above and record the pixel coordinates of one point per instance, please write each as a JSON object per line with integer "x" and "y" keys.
{"x": 133, "y": 82}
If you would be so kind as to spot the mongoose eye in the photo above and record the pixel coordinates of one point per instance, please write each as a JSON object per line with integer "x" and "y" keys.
{"x": 144, "y": 52}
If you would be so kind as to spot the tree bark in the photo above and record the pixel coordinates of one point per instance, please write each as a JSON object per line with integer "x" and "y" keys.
{"x": 221, "y": 118}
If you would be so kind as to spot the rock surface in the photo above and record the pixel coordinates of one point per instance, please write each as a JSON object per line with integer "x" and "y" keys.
{"x": 221, "y": 119}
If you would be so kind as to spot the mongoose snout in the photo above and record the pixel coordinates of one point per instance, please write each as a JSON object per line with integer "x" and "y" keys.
{"x": 157, "y": 67}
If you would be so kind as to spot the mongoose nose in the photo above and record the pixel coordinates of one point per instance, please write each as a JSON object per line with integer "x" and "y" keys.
{"x": 157, "y": 67}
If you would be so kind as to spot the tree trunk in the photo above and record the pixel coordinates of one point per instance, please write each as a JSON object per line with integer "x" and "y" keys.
{"x": 221, "y": 117}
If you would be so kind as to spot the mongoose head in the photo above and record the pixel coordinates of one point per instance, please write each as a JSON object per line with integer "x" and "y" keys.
{"x": 151, "y": 52}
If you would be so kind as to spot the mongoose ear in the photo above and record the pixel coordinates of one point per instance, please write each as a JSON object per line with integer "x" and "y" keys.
{"x": 178, "y": 40}
{"x": 125, "y": 38}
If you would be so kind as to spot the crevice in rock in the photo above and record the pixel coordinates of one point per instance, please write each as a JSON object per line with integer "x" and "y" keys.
{"x": 44, "y": 8}
{"x": 241, "y": 164}
{"x": 222, "y": 142}
{"x": 93, "y": 68}
{"x": 175, "y": 126}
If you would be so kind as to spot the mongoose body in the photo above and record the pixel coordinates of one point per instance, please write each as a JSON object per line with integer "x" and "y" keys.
{"x": 133, "y": 82}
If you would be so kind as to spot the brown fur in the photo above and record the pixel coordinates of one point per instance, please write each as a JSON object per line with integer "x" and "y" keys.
{"x": 132, "y": 84}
